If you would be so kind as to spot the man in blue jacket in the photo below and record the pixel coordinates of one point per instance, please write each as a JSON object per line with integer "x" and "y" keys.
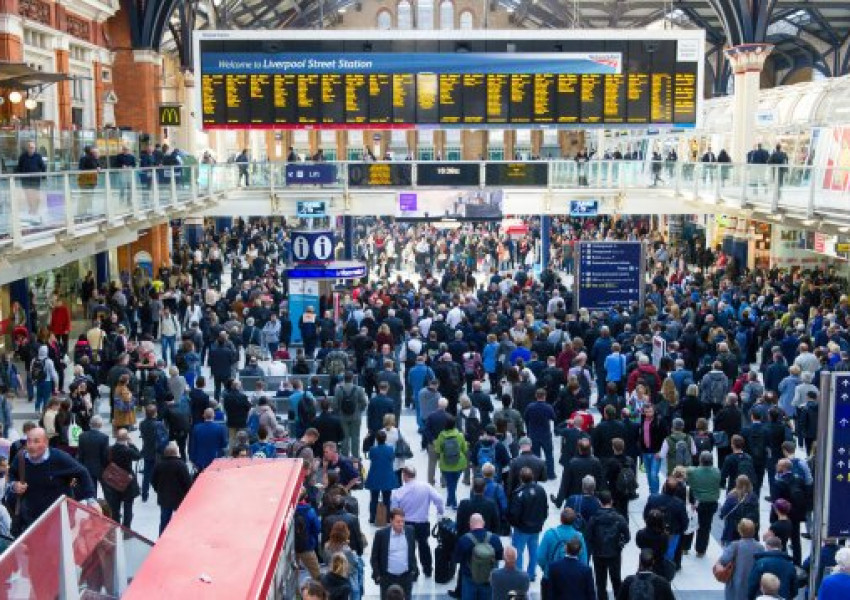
{"x": 569, "y": 577}
{"x": 774, "y": 560}
{"x": 598, "y": 354}
{"x": 539, "y": 417}
{"x": 208, "y": 441}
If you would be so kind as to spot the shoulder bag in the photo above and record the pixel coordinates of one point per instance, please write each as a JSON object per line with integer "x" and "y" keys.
{"x": 723, "y": 573}
{"x": 402, "y": 448}
{"x": 115, "y": 477}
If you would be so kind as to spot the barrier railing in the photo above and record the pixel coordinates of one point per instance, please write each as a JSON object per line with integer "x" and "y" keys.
{"x": 74, "y": 201}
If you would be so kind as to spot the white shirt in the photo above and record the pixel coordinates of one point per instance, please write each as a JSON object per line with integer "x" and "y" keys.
{"x": 454, "y": 317}
{"x": 397, "y": 553}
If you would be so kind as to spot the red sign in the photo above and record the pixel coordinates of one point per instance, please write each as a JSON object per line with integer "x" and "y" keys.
{"x": 820, "y": 242}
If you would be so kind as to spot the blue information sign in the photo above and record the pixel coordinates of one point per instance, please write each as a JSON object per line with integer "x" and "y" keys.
{"x": 312, "y": 246}
{"x": 351, "y": 271}
{"x": 609, "y": 275}
{"x": 584, "y": 208}
{"x": 312, "y": 174}
{"x": 838, "y": 472}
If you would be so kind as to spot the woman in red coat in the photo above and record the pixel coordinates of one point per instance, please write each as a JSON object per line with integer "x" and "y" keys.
{"x": 60, "y": 323}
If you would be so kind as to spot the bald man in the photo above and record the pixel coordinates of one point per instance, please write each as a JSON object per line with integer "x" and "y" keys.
{"x": 473, "y": 583}
{"x": 508, "y": 578}
{"x": 47, "y": 475}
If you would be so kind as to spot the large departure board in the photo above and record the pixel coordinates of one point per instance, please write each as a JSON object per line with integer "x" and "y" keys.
{"x": 286, "y": 80}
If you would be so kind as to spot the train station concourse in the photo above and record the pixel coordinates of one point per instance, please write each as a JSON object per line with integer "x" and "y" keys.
{"x": 407, "y": 299}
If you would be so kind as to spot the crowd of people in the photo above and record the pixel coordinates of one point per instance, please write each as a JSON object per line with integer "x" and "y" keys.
{"x": 454, "y": 337}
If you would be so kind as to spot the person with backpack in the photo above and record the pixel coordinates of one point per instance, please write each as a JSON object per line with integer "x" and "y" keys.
{"x": 478, "y": 553}
{"x": 607, "y": 535}
{"x": 304, "y": 406}
{"x": 704, "y": 484}
{"x": 653, "y": 434}
{"x": 44, "y": 377}
{"x": 527, "y": 512}
{"x": 807, "y": 421}
{"x": 728, "y": 423}
{"x": 675, "y": 515}
{"x": 553, "y": 547}
{"x": 645, "y": 584}
{"x": 488, "y": 449}
{"x": 678, "y": 449}
{"x": 621, "y": 474}
{"x": 349, "y": 402}
{"x": 452, "y": 448}
{"x": 737, "y": 463}
{"x": 306, "y": 527}
{"x": 469, "y": 422}
{"x": 713, "y": 388}
{"x": 787, "y": 486}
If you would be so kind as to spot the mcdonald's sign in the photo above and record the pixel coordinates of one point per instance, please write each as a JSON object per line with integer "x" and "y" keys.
{"x": 169, "y": 116}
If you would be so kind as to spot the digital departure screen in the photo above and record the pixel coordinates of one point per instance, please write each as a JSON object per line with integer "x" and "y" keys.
{"x": 379, "y": 174}
{"x": 507, "y": 174}
{"x": 282, "y": 83}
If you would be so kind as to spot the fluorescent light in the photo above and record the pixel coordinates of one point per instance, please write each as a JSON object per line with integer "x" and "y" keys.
{"x": 844, "y": 229}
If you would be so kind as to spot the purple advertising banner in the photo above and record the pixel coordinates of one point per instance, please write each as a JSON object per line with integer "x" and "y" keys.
{"x": 407, "y": 202}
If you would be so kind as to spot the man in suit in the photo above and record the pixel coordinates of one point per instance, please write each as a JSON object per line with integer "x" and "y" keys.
{"x": 93, "y": 451}
{"x": 208, "y": 441}
{"x": 394, "y": 555}
{"x": 569, "y": 578}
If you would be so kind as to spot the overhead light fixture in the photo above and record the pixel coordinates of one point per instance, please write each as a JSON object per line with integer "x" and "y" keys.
{"x": 15, "y": 97}
{"x": 30, "y": 104}
{"x": 341, "y": 10}
{"x": 844, "y": 229}
{"x": 808, "y": 222}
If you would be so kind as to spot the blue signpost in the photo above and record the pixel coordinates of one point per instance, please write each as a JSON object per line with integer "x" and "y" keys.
{"x": 838, "y": 469}
{"x": 609, "y": 275}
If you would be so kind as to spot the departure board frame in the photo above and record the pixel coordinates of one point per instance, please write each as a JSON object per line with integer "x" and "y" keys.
{"x": 440, "y": 79}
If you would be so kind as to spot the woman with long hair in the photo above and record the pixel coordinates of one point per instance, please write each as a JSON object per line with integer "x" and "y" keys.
{"x": 339, "y": 542}
{"x": 741, "y": 503}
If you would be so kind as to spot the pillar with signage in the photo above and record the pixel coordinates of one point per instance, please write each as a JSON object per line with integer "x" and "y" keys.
{"x": 348, "y": 237}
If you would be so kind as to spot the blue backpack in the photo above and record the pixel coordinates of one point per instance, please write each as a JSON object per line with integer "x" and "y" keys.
{"x": 254, "y": 423}
{"x": 161, "y": 436}
{"x": 486, "y": 454}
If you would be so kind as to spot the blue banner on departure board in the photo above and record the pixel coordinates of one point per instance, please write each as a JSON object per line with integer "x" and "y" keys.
{"x": 610, "y": 275}
{"x": 838, "y": 518}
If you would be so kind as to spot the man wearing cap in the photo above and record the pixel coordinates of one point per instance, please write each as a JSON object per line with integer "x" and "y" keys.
{"x": 526, "y": 458}
{"x": 415, "y": 499}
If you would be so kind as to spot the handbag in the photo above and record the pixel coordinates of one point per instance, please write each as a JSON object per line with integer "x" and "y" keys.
{"x": 723, "y": 573}
{"x": 693, "y": 520}
{"x": 115, "y": 477}
{"x": 381, "y": 515}
{"x": 402, "y": 448}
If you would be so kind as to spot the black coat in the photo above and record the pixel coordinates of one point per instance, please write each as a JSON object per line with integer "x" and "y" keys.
{"x": 602, "y": 436}
{"x": 172, "y": 481}
{"x": 528, "y": 508}
{"x": 526, "y": 459}
{"x": 477, "y": 504}
{"x": 607, "y": 533}
{"x": 236, "y": 407}
{"x": 93, "y": 451}
{"x": 124, "y": 456}
{"x": 329, "y": 427}
{"x": 576, "y": 470}
{"x": 381, "y": 551}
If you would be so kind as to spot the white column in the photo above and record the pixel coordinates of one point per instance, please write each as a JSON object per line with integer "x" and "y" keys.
{"x": 189, "y": 130}
{"x": 747, "y": 61}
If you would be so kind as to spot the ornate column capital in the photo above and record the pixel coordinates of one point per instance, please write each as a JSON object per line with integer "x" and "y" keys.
{"x": 748, "y": 58}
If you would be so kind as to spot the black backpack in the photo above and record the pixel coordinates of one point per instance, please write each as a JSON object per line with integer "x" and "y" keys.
{"x": 626, "y": 484}
{"x": 302, "y": 533}
{"x": 642, "y": 588}
{"x": 306, "y": 408}
{"x": 472, "y": 426}
{"x": 455, "y": 377}
{"x": 746, "y": 467}
{"x": 109, "y": 352}
{"x": 756, "y": 444}
{"x": 38, "y": 370}
{"x": 348, "y": 403}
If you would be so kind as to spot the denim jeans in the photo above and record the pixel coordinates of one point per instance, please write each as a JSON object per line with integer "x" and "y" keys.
{"x": 475, "y": 591}
{"x": 520, "y": 541}
{"x": 652, "y": 465}
{"x": 146, "y": 476}
{"x": 168, "y": 348}
{"x": 452, "y": 478}
{"x": 43, "y": 390}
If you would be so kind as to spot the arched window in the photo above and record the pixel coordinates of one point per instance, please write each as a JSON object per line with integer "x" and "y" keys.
{"x": 447, "y": 14}
{"x": 466, "y": 20}
{"x": 404, "y": 15}
{"x": 425, "y": 14}
{"x": 385, "y": 20}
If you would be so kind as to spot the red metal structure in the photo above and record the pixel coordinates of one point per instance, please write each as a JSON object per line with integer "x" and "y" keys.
{"x": 231, "y": 537}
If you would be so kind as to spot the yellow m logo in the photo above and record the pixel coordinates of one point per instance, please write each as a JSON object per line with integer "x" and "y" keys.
{"x": 169, "y": 116}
